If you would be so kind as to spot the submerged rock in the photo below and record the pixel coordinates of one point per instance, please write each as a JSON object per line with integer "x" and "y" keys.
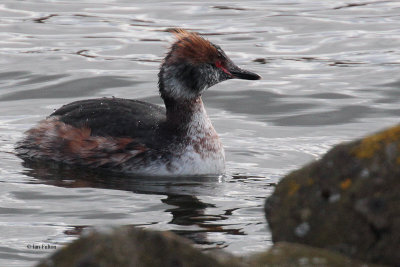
{"x": 130, "y": 246}
{"x": 289, "y": 254}
{"x": 348, "y": 201}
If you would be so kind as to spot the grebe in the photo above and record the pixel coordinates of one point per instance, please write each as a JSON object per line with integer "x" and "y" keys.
{"x": 141, "y": 138}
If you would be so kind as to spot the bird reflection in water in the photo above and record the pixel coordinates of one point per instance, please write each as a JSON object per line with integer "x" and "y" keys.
{"x": 182, "y": 193}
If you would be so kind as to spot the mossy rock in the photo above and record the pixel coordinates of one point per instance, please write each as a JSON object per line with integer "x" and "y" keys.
{"x": 284, "y": 254}
{"x": 129, "y": 246}
{"x": 348, "y": 201}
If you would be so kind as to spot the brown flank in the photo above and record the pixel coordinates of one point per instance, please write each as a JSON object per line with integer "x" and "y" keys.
{"x": 53, "y": 139}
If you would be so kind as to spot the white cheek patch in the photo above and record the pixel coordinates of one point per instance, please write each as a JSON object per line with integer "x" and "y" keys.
{"x": 176, "y": 88}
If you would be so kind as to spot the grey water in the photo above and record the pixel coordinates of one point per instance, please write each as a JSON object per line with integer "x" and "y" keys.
{"x": 331, "y": 73}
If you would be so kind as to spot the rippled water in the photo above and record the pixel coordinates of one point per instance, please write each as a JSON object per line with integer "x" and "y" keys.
{"x": 330, "y": 73}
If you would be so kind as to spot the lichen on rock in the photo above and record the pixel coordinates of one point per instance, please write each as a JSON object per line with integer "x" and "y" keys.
{"x": 353, "y": 204}
{"x": 374, "y": 143}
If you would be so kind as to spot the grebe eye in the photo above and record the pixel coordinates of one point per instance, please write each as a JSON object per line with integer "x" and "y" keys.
{"x": 218, "y": 64}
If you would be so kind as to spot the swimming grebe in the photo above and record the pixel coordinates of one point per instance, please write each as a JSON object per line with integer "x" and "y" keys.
{"x": 142, "y": 138}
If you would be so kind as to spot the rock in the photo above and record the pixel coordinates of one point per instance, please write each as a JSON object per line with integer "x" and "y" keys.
{"x": 348, "y": 201}
{"x": 284, "y": 254}
{"x": 130, "y": 246}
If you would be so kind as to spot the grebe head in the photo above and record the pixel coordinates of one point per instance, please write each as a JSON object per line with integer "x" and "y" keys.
{"x": 194, "y": 64}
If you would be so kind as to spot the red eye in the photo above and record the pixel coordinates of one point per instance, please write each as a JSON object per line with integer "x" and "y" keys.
{"x": 219, "y": 65}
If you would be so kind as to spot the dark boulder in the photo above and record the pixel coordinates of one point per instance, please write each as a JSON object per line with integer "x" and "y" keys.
{"x": 348, "y": 201}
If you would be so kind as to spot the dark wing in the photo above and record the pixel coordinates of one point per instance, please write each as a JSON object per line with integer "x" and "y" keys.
{"x": 97, "y": 132}
{"x": 113, "y": 117}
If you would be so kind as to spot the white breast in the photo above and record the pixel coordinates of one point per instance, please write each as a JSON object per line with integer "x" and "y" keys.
{"x": 191, "y": 162}
{"x": 201, "y": 152}
{"x": 204, "y": 153}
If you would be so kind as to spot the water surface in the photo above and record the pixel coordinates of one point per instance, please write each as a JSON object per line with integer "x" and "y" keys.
{"x": 330, "y": 74}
